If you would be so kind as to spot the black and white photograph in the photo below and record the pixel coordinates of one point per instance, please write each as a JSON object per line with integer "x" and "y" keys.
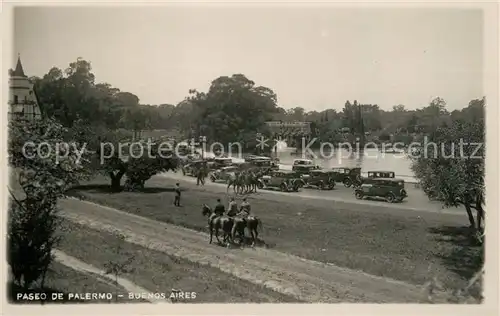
{"x": 249, "y": 153}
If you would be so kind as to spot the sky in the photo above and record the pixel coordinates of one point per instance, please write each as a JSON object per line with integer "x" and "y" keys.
{"x": 312, "y": 57}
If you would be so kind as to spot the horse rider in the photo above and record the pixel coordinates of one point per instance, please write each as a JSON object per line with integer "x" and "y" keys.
{"x": 219, "y": 209}
{"x": 232, "y": 209}
{"x": 244, "y": 209}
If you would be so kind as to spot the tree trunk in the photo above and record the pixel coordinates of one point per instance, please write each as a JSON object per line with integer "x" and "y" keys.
{"x": 480, "y": 212}
{"x": 469, "y": 211}
{"x": 116, "y": 180}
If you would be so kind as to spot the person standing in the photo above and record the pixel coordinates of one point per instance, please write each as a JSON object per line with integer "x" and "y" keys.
{"x": 177, "y": 199}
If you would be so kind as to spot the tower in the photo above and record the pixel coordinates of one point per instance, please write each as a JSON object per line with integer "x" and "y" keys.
{"x": 22, "y": 99}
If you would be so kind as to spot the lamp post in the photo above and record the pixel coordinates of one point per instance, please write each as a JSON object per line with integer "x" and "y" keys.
{"x": 259, "y": 145}
{"x": 203, "y": 140}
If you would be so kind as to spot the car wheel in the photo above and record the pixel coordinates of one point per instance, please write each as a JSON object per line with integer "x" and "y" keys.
{"x": 359, "y": 195}
{"x": 212, "y": 178}
{"x": 390, "y": 198}
{"x": 347, "y": 183}
{"x": 260, "y": 185}
{"x": 331, "y": 185}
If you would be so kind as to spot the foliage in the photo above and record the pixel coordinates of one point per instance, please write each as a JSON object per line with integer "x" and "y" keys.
{"x": 451, "y": 172}
{"x": 117, "y": 268}
{"x": 234, "y": 108}
{"x": 43, "y": 178}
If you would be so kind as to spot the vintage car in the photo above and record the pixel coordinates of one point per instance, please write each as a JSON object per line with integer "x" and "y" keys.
{"x": 285, "y": 180}
{"x": 264, "y": 164}
{"x": 192, "y": 166}
{"x": 391, "y": 189}
{"x": 348, "y": 176}
{"x": 223, "y": 174}
{"x": 254, "y": 157}
{"x": 381, "y": 174}
{"x": 321, "y": 179}
{"x": 302, "y": 162}
{"x": 220, "y": 162}
{"x": 305, "y": 169}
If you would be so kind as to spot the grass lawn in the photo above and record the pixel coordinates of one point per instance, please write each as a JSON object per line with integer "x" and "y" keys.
{"x": 159, "y": 273}
{"x": 63, "y": 279}
{"x": 405, "y": 247}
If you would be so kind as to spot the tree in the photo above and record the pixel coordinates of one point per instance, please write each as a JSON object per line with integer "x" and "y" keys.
{"x": 232, "y": 106}
{"x": 454, "y": 173}
{"x": 44, "y": 173}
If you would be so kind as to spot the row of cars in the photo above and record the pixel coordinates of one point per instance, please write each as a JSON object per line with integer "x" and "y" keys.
{"x": 378, "y": 184}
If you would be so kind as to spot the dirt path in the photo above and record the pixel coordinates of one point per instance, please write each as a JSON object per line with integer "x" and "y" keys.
{"x": 304, "y": 279}
{"x": 81, "y": 266}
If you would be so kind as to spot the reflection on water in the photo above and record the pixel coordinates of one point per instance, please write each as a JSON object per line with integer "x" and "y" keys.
{"x": 369, "y": 160}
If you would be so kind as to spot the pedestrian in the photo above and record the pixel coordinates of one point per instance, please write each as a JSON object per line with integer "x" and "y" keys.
{"x": 177, "y": 199}
{"x": 198, "y": 176}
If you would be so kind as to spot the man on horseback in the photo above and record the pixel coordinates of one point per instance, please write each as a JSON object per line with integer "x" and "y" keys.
{"x": 244, "y": 209}
{"x": 219, "y": 209}
{"x": 232, "y": 208}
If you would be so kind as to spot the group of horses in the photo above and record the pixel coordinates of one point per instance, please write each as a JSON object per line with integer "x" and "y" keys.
{"x": 246, "y": 181}
{"x": 231, "y": 226}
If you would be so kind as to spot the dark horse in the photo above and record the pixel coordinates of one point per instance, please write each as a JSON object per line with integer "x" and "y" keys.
{"x": 217, "y": 222}
{"x": 252, "y": 223}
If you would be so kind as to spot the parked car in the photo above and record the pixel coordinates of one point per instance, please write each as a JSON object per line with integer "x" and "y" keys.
{"x": 285, "y": 180}
{"x": 381, "y": 174}
{"x": 321, "y": 179}
{"x": 302, "y": 162}
{"x": 391, "y": 189}
{"x": 222, "y": 162}
{"x": 305, "y": 169}
{"x": 191, "y": 167}
{"x": 223, "y": 174}
{"x": 348, "y": 176}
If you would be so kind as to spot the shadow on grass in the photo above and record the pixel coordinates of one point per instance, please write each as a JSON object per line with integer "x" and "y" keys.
{"x": 467, "y": 255}
{"x": 104, "y": 188}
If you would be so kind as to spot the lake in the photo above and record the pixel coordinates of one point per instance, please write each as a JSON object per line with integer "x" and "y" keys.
{"x": 369, "y": 160}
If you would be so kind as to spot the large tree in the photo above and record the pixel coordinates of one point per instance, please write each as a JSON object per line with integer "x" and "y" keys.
{"x": 233, "y": 108}
{"x": 452, "y": 170}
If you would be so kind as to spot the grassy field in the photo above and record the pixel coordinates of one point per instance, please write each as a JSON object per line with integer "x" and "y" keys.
{"x": 63, "y": 279}
{"x": 160, "y": 273}
{"x": 402, "y": 246}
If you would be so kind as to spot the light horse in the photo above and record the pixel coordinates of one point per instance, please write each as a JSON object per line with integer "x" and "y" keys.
{"x": 217, "y": 222}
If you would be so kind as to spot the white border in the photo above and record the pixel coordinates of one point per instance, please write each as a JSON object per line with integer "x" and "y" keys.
{"x": 489, "y": 307}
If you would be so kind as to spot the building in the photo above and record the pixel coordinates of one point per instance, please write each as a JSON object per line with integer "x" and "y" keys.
{"x": 290, "y": 132}
{"x": 297, "y": 128}
{"x": 23, "y": 104}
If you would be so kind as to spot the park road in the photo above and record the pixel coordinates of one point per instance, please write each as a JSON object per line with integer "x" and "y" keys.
{"x": 306, "y": 280}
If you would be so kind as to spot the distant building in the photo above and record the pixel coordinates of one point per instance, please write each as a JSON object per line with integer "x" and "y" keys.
{"x": 289, "y": 127}
{"x": 23, "y": 104}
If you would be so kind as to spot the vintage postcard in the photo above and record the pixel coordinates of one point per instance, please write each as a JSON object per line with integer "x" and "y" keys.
{"x": 187, "y": 158}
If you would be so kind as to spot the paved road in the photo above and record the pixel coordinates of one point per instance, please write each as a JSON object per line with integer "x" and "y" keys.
{"x": 304, "y": 279}
{"x": 416, "y": 201}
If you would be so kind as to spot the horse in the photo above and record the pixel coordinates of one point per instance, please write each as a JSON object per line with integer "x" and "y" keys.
{"x": 252, "y": 223}
{"x": 216, "y": 222}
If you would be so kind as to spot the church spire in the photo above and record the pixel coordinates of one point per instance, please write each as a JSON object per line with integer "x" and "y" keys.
{"x": 19, "y": 71}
